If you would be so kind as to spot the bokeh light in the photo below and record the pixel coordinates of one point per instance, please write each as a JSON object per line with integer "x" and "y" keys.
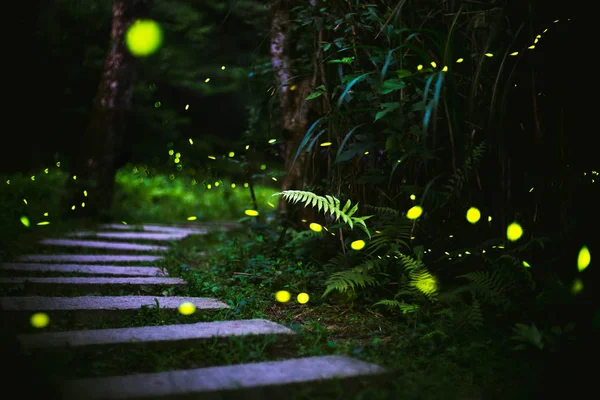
{"x": 39, "y": 320}
{"x": 283, "y": 296}
{"x": 143, "y": 38}
{"x": 187, "y": 308}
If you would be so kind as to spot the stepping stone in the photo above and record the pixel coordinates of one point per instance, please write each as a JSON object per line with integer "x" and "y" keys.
{"x": 103, "y": 245}
{"x": 157, "y": 228}
{"x": 85, "y": 269}
{"x": 109, "y": 303}
{"x": 133, "y": 235}
{"x": 168, "y": 333}
{"x": 210, "y": 383}
{"x": 87, "y": 258}
{"x": 35, "y": 285}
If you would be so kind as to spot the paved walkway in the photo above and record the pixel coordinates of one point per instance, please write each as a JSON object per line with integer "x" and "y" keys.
{"x": 256, "y": 380}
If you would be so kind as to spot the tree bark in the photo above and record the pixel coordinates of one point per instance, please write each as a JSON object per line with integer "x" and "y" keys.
{"x": 294, "y": 109}
{"x": 95, "y": 166}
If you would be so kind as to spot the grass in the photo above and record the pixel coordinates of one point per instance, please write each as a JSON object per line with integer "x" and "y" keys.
{"x": 242, "y": 270}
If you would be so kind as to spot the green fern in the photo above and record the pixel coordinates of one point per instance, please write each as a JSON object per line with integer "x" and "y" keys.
{"x": 404, "y": 307}
{"x": 461, "y": 176}
{"x": 492, "y": 286}
{"x": 344, "y": 280}
{"x": 330, "y": 205}
{"x": 304, "y": 237}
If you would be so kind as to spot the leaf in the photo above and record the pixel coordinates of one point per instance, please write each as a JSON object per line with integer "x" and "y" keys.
{"x": 346, "y": 139}
{"x": 390, "y": 85}
{"x": 354, "y": 81}
{"x": 306, "y": 139}
{"x": 314, "y": 95}
{"x": 387, "y": 107}
{"x": 403, "y": 73}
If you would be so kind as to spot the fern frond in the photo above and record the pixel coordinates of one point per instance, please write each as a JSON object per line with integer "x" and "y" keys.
{"x": 404, "y": 307}
{"x": 329, "y": 204}
{"x": 344, "y": 280}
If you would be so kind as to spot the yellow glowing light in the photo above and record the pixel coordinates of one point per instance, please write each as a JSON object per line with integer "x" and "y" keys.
{"x": 414, "y": 212}
{"x": 74, "y": 177}
{"x": 247, "y": 146}
{"x": 171, "y": 152}
{"x": 531, "y": 47}
{"x": 45, "y": 214}
{"x": 283, "y": 296}
{"x": 231, "y": 154}
{"x": 325, "y": 144}
{"x": 275, "y": 179}
{"x": 143, "y": 38}
{"x": 82, "y": 204}
{"x": 25, "y": 221}
{"x": 43, "y": 223}
{"x": 514, "y": 53}
{"x": 192, "y": 218}
{"x": 223, "y": 68}
{"x": 187, "y": 107}
{"x": 187, "y": 308}
{"x": 445, "y": 69}
{"x": 217, "y": 184}
{"x": 489, "y": 55}
{"x": 303, "y": 298}
{"x": 58, "y": 164}
{"x": 245, "y": 185}
{"x": 272, "y": 141}
{"x": 212, "y": 157}
{"x": 124, "y": 223}
{"x": 526, "y": 264}
{"x": 460, "y": 60}
{"x": 209, "y": 186}
{"x": 39, "y": 320}
{"x": 46, "y": 171}
{"x": 490, "y": 218}
{"x": 433, "y": 64}
{"x": 251, "y": 213}
{"x": 33, "y": 177}
{"x": 271, "y": 204}
{"x": 419, "y": 67}
{"x": 191, "y": 141}
{"x": 577, "y": 286}
{"x": 25, "y": 201}
{"x": 357, "y": 244}
{"x": 233, "y": 185}
{"x": 514, "y": 232}
{"x": 535, "y": 41}
{"x": 263, "y": 167}
{"x": 293, "y": 87}
{"x": 473, "y": 215}
{"x": 413, "y": 197}
{"x": 207, "y": 80}
{"x": 583, "y": 258}
{"x": 315, "y": 227}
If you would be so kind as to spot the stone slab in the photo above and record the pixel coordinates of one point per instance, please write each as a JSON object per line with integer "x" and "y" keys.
{"x": 157, "y": 228}
{"x": 154, "y": 236}
{"x": 168, "y": 333}
{"x": 95, "y": 244}
{"x": 57, "y": 286}
{"x": 90, "y": 269}
{"x": 87, "y": 258}
{"x": 94, "y": 281}
{"x": 203, "y": 382}
{"x": 109, "y": 303}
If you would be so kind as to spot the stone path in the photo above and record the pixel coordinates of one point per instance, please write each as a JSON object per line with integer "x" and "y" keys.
{"x": 262, "y": 380}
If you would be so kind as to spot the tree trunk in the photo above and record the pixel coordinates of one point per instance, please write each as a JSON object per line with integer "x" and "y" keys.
{"x": 294, "y": 109}
{"x": 95, "y": 165}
